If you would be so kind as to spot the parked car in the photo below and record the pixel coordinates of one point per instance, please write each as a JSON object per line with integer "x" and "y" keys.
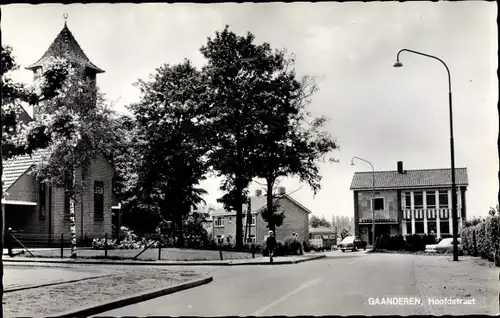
{"x": 444, "y": 246}
{"x": 352, "y": 243}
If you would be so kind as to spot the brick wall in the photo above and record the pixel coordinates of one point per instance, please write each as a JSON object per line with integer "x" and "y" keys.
{"x": 229, "y": 228}
{"x": 296, "y": 220}
{"x": 86, "y": 224}
{"x": 390, "y": 204}
{"x": 100, "y": 170}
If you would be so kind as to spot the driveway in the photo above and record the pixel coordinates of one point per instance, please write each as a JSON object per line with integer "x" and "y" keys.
{"x": 341, "y": 284}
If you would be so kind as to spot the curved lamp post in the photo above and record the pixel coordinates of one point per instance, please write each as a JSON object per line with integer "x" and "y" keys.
{"x": 373, "y": 197}
{"x": 454, "y": 213}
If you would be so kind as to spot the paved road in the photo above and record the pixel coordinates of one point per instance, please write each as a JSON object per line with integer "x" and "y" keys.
{"x": 340, "y": 284}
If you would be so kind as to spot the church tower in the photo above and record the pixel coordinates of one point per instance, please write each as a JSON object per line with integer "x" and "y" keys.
{"x": 66, "y": 46}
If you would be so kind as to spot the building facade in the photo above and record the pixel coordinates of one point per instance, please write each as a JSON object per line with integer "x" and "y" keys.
{"x": 255, "y": 228}
{"x": 35, "y": 208}
{"x": 407, "y": 202}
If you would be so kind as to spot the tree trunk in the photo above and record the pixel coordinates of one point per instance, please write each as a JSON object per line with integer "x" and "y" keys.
{"x": 270, "y": 184}
{"x": 239, "y": 190}
{"x": 239, "y": 216}
{"x": 180, "y": 229}
{"x": 72, "y": 223}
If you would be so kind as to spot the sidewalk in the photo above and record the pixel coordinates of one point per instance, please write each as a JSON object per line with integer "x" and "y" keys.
{"x": 252, "y": 261}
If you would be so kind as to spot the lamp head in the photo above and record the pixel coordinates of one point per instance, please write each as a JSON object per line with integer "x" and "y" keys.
{"x": 352, "y": 162}
{"x": 398, "y": 64}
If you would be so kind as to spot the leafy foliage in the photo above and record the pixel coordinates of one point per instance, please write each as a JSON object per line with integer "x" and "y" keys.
{"x": 262, "y": 128}
{"x": 235, "y": 66}
{"x": 343, "y": 225}
{"x": 315, "y": 221}
{"x": 275, "y": 217}
{"x": 171, "y": 144}
{"x": 483, "y": 238}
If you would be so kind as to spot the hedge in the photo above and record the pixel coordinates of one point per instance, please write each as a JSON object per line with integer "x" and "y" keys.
{"x": 482, "y": 239}
{"x": 290, "y": 246}
{"x": 413, "y": 242}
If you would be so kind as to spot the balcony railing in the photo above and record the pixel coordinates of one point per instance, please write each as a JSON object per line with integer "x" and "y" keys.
{"x": 442, "y": 213}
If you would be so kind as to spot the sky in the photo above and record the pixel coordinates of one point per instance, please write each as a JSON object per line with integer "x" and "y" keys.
{"x": 377, "y": 112}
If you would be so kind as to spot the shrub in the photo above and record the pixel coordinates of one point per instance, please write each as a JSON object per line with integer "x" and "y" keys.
{"x": 280, "y": 249}
{"x": 391, "y": 243}
{"x": 128, "y": 240}
{"x": 415, "y": 243}
{"x": 483, "y": 238}
{"x": 468, "y": 238}
{"x": 306, "y": 246}
{"x": 492, "y": 237}
{"x": 292, "y": 246}
{"x": 99, "y": 244}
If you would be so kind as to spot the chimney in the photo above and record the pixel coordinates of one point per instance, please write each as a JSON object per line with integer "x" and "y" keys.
{"x": 281, "y": 190}
{"x": 258, "y": 193}
{"x": 400, "y": 167}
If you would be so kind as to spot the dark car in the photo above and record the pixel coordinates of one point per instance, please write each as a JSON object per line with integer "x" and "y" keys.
{"x": 352, "y": 243}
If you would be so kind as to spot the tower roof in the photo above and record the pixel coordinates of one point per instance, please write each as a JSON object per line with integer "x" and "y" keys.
{"x": 65, "y": 45}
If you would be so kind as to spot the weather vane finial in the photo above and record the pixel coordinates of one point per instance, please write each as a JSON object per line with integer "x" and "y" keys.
{"x": 65, "y": 16}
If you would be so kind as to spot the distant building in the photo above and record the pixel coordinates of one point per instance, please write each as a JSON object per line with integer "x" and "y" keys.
{"x": 326, "y": 235}
{"x": 407, "y": 201}
{"x": 35, "y": 208}
{"x": 296, "y": 220}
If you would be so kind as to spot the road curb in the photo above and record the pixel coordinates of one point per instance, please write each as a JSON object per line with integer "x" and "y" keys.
{"x": 159, "y": 263}
{"x": 125, "y": 301}
{"x": 115, "y": 262}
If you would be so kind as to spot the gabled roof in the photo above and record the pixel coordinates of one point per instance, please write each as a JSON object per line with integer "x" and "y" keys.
{"x": 15, "y": 167}
{"x": 321, "y": 229}
{"x": 65, "y": 45}
{"x": 258, "y": 203}
{"x": 409, "y": 179}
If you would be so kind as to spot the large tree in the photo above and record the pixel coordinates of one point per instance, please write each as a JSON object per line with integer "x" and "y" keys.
{"x": 236, "y": 71}
{"x": 171, "y": 121}
{"x": 291, "y": 142}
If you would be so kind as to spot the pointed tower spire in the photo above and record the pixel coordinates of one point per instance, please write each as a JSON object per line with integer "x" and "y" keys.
{"x": 65, "y": 45}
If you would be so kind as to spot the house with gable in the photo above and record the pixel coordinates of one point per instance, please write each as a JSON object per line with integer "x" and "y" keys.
{"x": 255, "y": 230}
{"x": 37, "y": 209}
{"x": 408, "y": 201}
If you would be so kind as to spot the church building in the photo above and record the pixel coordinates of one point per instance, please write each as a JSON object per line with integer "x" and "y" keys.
{"x": 34, "y": 209}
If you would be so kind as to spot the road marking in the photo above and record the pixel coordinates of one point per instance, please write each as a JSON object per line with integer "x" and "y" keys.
{"x": 293, "y": 292}
{"x": 354, "y": 261}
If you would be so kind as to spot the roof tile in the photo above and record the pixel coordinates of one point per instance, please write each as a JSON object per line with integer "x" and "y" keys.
{"x": 15, "y": 167}
{"x": 410, "y": 179}
{"x": 65, "y": 45}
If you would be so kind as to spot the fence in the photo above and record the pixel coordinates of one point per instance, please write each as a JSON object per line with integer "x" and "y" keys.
{"x": 37, "y": 245}
{"x": 148, "y": 247}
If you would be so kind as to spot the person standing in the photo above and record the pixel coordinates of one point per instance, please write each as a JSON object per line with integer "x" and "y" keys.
{"x": 271, "y": 245}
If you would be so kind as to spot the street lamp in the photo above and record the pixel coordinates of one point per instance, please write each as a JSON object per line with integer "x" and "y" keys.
{"x": 373, "y": 197}
{"x": 454, "y": 213}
